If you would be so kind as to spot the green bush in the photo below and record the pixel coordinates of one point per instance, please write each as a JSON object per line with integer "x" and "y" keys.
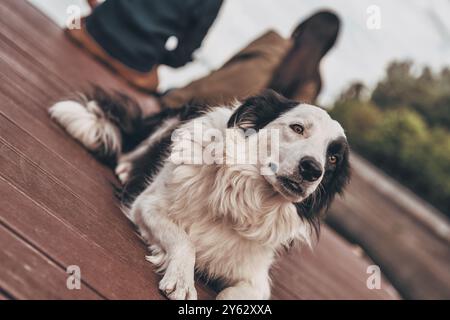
{"x": 427, "y": 93}
{"x": 403, "y": 128}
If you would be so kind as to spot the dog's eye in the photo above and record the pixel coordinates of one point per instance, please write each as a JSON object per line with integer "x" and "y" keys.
{"x": 297, "y": 128}
{"x": 333, "y": 159}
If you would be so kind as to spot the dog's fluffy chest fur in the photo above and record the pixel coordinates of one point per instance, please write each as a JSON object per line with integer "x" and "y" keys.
{"x": 232, "y": 217}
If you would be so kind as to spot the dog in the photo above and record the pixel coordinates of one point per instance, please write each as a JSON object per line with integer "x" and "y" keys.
{"x": 227, "y": 219}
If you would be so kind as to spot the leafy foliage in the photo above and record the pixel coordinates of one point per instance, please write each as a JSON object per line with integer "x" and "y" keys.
{"x": 403, "y": 128}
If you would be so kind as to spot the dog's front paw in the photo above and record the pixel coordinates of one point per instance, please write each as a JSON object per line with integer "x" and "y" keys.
{"x": 178, "y": 283}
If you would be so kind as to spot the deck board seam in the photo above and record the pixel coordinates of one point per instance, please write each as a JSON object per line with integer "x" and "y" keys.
{"x": 20, "y": 153}
{"x": 45, "y": 255}
{"x": 54, "y": 127}
{"x": 49, "y": 175}
{"x": 50, "y": 212}
{"x": 6, "y": 294}
{"x": 44, "y": 146}
{"x": 38, "y": 64}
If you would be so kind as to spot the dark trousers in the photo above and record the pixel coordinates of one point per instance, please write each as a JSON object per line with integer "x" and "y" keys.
{"x": 135, "y": 31}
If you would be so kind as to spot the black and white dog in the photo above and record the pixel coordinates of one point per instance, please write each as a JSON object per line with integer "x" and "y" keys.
{"x": 226, "y": 219}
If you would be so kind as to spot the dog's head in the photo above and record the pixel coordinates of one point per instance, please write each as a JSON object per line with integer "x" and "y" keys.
{"x": 312, "y": 163}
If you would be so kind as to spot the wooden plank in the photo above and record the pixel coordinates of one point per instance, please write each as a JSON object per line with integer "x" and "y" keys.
{"x": 32, "y": 97}
{"x": 28, "y": 274}
{"x": 331, "y": 271}
{"x": 42, "y": 186}
{"x": 27, "y": 106}
{"x": 30, "y": 112}
{"x": 29, "y": 71}
{"x": 52, "y": 52}
{"x": 101, "y": 222}
{"x": 83, "y": 186}
{"x": 415, "y": 260}
{"x": 53, "y": 137}
{"x": 27, "y": 76}
{"x": 55, "y": 53}
{"x": 108, "y": 275}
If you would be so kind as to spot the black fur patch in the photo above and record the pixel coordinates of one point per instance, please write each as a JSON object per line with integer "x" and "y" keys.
{"x": 144, "y": 169}
{"x": 123, "y": 111}
{"x": 258, "y": 111}
{"x": 126, "y": 114}
{"x": 147, "y": 165}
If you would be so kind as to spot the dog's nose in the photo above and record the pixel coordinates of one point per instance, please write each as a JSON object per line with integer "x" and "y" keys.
{"x": 310, "y": 169}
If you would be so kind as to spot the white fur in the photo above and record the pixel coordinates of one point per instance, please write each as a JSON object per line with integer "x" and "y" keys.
{"x": 87, "y": 124}
{"x": 226, "y": 218}
{"x": 225, "y": 221}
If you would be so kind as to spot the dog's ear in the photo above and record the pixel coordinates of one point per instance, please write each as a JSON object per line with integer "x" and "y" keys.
{"x": 257, "y": 111}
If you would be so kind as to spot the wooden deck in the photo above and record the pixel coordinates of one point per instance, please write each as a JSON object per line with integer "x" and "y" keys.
{"x": 57, "y": 206}
{"x": 409, "y": 240}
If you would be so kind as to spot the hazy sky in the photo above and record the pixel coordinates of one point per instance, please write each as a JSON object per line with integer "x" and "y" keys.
{"x": 410, "y": 29}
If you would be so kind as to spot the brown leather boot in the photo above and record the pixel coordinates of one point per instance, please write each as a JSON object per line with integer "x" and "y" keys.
{"x": 143, "y": 81}
{"x": 298, "y": 75}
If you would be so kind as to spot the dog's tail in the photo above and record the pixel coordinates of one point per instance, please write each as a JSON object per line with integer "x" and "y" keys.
{"x": 105, "y": 123}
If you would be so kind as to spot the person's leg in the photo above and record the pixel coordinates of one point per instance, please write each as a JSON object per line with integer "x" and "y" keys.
{"x": 289, "y": 66}
{"x": 131, "y": 36}
{"x": 298, "y": 77}
{"x": 143, "y": 80}
{"x": 246, "y": 74}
